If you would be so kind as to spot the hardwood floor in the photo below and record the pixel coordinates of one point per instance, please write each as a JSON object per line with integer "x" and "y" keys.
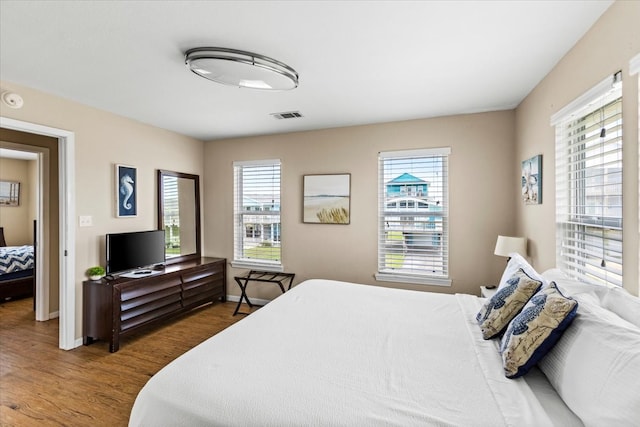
{"x": 41, "y": 385}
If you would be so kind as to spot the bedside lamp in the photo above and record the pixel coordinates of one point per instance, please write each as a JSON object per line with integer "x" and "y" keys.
{"x": 506, "y": 245}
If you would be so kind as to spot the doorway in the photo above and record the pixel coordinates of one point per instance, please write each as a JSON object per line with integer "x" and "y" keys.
{"x": 22, "y": 221}
{"x": 65, "y": 227}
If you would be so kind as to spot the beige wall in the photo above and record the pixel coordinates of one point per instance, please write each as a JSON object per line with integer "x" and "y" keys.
{"x": 482, "y": 199}
{"x": 606, "y": 48}
{"x": 102, "y": 140}
{"x": 16, "y": 220}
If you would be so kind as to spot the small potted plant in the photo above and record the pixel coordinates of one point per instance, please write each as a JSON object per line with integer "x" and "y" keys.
{"x": 95, "y": 273}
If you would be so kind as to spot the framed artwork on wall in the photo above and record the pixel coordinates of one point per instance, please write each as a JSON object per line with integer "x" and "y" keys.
{"x": 531, "y": 180}
{"x": 9, "y": 193}
{"x": 327, "y": 199}
{"x": 126, "y": 191}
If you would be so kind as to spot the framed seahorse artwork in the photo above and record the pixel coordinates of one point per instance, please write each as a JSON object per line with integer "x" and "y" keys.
{"x": 126, "y": 191}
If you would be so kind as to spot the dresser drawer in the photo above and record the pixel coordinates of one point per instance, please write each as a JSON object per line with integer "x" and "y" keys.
{"x": 202, "y": 294}
{"x": 148, "y": 286}
{"x": 148, "y": 314}
{"x": 202, "y": 272}
{"x": 150, "y": 299}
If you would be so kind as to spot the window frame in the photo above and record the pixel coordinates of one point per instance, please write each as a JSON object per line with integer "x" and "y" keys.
{"x": 414, "y": 276}
{"x": 634, "y": 69}
{"x": 581, "y": 238}
{"x": 240, "y": 226}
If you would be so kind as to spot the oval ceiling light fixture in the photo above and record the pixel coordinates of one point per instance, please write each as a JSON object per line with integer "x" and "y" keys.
{"x": 241, "y": 69}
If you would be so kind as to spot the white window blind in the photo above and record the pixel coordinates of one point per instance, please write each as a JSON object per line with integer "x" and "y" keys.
{"x": 634, "y": 68}
{"x": 257, "y": 227}
{"x": 413, "y": 238}
{"x": 589, "y": 188}
{"x": 171, "y": 218}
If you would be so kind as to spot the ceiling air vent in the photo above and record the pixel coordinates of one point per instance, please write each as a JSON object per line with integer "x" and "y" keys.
{"x": 287, "y": 115}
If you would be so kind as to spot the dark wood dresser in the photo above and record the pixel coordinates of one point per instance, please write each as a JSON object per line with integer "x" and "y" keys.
{"x": 118, "y": 307}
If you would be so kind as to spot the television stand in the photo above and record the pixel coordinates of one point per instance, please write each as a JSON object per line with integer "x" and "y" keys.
{"x": 115, "y": 308}
{"x": 138, "y": 274}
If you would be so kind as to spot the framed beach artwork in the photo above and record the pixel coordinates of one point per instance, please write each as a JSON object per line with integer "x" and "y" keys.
{"x": 327, "y": 199}
{"x": 531, "y": 180}
{"x": 126, "y": 191}
{"x": 9, "y": 193}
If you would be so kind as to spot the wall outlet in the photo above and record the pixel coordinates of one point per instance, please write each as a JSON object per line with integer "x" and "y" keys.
{"x": 85, "y": 221}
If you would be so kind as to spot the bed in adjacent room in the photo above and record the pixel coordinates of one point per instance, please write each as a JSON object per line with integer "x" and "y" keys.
{"x": 344, "y": 354}
{"x": 17, "y": 270}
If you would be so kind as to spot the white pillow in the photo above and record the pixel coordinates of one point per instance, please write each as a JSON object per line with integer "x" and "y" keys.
{"x": 517, "y": 262}
{"x": 572, "y": 287}
{"x": 554, "y": 275}
{"x": 623, "y": 304}
{"x": 595, "y": 367}
{"x": 615, "y": 299}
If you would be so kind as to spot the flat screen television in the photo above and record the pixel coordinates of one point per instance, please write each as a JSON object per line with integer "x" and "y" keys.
{"x": 129, "y": 251}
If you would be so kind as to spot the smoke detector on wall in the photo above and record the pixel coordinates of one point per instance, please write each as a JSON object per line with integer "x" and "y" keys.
{"x": 12, "y": 100}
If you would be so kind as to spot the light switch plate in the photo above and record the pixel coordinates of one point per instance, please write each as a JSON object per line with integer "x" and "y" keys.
{"x": 85, "y": 221}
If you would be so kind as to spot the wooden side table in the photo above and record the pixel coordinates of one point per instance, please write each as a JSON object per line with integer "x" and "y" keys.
{"x": 261, "y": 277}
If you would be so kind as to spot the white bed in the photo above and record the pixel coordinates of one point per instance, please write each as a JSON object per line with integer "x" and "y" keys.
{"x": 332, "y": 353}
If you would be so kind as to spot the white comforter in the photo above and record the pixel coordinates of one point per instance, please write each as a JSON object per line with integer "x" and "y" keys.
{"x": 331, "y": 353}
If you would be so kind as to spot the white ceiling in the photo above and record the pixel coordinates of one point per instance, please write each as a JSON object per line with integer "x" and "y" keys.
{"x": 359, "y": 62}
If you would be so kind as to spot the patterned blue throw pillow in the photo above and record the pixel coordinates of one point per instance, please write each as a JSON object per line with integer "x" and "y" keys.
{"x": 504, "y": 305}
{"x": 533, "y": 332}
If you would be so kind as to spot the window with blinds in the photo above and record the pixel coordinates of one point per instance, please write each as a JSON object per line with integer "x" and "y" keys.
{"x": 634, "y": 69}
{"x": 256, "y": 202}
{"x": 413, "y": 243}
{"x": 171, "y": 217}
{"x": 589, "y": 187}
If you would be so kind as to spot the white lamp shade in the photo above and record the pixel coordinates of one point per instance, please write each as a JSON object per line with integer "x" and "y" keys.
{"x": 506, "y": 245}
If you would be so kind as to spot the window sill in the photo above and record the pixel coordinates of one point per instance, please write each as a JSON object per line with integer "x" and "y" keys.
{"x": 253, "y": 265}
{"x": 405, "y": 278}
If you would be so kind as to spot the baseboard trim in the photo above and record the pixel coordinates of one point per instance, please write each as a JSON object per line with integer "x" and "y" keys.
{"x": 256, "y": 301}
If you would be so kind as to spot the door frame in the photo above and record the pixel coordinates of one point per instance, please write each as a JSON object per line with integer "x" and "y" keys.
{"x": 67, "y": 245}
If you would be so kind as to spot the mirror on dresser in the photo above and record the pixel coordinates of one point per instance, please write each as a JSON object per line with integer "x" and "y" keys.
{"x": 179, "y": 215}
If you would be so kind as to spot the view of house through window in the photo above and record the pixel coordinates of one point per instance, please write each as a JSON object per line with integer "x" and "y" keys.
{"x": 413, "y": 221}
{"x": 257, "y": 212}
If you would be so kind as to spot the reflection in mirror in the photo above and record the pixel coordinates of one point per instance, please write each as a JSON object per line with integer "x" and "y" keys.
{"x": 179, "y": 214}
